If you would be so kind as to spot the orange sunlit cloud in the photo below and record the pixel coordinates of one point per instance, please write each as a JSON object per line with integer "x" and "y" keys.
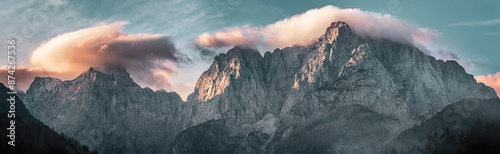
{"x": 492, "y": 80}
{"x": 229, "y": 37}
{"x": 143, "y": 55}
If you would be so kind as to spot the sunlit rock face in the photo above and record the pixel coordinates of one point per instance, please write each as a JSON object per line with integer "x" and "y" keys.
{"x": 240, "y": 87}
{"x": 299, "y": 86}
{"x": 106, "y": 110}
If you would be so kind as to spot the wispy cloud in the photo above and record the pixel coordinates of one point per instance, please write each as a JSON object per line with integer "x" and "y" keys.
{"x": 230, "y": 37}
{"x": 488, "y": 22}
{"x": 472, "y": 65}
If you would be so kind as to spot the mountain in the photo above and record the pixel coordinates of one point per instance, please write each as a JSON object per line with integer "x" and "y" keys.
{"x": 31, "y": 135}
{"x": 301, "y": 87}
{"x": 105, "y": 109}
{"x": 343, "y": 93}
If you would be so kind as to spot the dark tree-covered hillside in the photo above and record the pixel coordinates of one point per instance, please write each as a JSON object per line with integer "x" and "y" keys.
{"x": 468, "y": 126}
{"x": 31, "y": 135}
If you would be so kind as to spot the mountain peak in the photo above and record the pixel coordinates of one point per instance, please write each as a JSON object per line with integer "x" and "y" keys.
{"x": 241, "y": 50}
{"x": 336, "y": 25}
{"x": 337, "y": 31}
{"x": 114, "y": 70}
{"x": 109, "y": 73}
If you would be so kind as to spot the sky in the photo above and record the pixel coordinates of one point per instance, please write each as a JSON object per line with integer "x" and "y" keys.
{"x": 168, "y": 44}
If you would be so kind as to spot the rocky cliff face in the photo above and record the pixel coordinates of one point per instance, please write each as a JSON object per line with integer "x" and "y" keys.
{"x": 105, "y": 109}
{"x": 299, "y": 85}
{"x": 345, "y": 92}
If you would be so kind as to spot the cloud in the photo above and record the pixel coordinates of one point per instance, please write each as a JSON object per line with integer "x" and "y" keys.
{"x": 439, "y": 54}
{"x": 472, "y": 65}
{"x": 149, "y": 58}
{"x": 478, "y": 23}
{"x": 24, "y": 76}
{"x": 445, "y": 55}
{"x": 492, "y": 80}
{"x": 304, "y": 28}
{"x": 230, "y": 37}
{"x": 469, "y": 65}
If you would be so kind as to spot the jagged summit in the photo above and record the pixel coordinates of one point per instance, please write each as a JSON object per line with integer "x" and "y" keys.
{"x": 339, "y": 31}
{"x": 238, "y": 51}
{"x": 338, "y": 27}
{"x": 108, "y": 74}
{"x": 113, "y": 70}
{"x": 116, "y": 70}
{"x": 226, "y": 68}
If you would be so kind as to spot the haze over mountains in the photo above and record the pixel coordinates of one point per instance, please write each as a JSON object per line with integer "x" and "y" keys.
{"x": 342, "y": 93}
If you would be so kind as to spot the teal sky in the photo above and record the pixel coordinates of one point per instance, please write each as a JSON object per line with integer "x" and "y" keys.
{"x": 470, "y": 29}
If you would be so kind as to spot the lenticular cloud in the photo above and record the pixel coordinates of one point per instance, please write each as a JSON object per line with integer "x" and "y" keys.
{"x": 152, "y": 55}
{"x": 302, "y": 29}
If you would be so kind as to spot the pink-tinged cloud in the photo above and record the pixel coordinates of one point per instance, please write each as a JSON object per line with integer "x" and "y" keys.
{"x": 304, "y": 28}
{"x": 492, "y": 80}
{"x": 229, "y": 37}
{"x": 24, "y": 76}
{"x": 143, "y": 55}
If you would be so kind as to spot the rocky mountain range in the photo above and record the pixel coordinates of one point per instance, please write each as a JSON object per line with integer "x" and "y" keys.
{"x": 341, "y": 94}
{"x": 104, "y": 109}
